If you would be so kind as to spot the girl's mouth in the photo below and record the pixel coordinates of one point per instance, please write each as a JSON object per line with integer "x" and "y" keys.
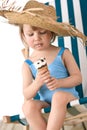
{"x": 39, "y": 45}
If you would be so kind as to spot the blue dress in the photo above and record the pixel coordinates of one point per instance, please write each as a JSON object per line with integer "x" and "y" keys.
{"x": 57, "y": 70}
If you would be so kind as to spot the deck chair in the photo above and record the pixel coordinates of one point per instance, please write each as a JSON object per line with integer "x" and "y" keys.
{"x": 77, "y": 109}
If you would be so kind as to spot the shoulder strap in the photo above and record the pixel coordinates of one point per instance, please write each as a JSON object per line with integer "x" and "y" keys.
{"x": 61, "y": 51}
{"x": 29, "y": 62}
{"x": 32, "y": 68}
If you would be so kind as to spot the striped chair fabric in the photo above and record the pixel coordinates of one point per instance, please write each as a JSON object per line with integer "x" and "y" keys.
{"x": 73, "y": 12}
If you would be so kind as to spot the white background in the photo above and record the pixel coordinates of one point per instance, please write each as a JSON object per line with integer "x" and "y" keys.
{"x": 11, "y": 60}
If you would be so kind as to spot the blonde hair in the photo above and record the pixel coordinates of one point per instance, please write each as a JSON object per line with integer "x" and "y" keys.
{"x": 25, "y": 50}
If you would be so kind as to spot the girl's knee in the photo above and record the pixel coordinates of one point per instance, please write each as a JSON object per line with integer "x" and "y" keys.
{"x": 60, "y": 98}
{"x": 30, "y": 107}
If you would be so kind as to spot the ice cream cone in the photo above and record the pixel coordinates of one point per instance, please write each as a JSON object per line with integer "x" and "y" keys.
{"x": 41, "y": 64}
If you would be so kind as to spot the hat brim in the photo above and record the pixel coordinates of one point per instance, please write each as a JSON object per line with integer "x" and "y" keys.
{"x": 60, "y": 29}
{"x": 2, "y": 12}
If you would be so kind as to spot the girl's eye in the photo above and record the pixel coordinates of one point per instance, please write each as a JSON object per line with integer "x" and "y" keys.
{"x": 43, "y": 32}
{"x": 31, "y": 34}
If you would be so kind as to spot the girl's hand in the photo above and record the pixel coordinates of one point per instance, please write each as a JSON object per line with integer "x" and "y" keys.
{"x": 43, "y": 77}
{"x": 52, "y": 83}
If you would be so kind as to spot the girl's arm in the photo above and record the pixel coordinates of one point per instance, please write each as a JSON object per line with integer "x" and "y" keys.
{"x": 74, "y": 78}
{"x": 30, "y": 86}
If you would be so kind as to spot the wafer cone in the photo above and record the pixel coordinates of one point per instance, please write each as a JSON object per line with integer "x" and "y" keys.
{"x": 45, "y": 67}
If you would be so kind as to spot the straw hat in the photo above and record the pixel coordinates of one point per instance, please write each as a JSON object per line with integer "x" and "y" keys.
{"x": 44, "y": 16}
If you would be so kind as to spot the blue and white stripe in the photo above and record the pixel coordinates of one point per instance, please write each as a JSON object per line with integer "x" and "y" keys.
{"x": 74, "y": 12}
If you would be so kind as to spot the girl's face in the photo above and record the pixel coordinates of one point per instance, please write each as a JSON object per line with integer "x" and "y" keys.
{"x": 36, "y": 38}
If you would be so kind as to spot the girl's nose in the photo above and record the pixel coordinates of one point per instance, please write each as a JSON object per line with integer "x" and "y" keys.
{"x": 36, "y": 36}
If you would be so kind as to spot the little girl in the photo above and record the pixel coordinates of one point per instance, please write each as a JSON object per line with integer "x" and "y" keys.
{"x": 55, "y": 86}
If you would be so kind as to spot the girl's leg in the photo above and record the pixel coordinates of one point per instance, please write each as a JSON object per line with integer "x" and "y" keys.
{"x": 32, "y": 112}
{"x": 58, "y": 110}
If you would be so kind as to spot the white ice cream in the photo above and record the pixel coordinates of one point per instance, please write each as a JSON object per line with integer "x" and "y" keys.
{"x": 41, "y": 62}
